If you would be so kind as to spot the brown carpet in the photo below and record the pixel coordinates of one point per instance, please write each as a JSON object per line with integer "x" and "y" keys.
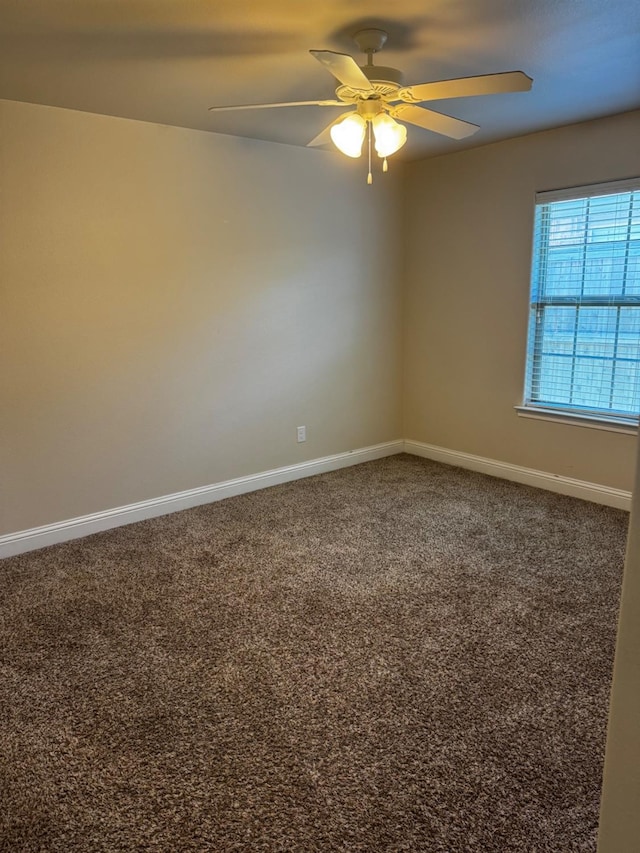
{"x": 398, "y": 656}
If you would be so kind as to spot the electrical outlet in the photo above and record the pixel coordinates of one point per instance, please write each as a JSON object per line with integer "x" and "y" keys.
{"x": 302, "y": 433}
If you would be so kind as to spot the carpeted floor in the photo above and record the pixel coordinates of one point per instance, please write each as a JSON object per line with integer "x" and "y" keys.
{"x": 398, "y": 656}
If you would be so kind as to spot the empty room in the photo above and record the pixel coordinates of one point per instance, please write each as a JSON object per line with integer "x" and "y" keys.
{"x": 320, "y": 385}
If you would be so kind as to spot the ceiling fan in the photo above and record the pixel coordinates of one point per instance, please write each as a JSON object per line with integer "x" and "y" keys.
{"x": 379, "y": 97}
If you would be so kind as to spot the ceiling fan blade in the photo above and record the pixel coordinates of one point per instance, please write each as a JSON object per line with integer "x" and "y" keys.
{"x": 455, "y": 128}
{"x": 324, "y": 137}
{"x": 271, "y": 106}
{"x": 344, "y": 68}
{"x": 464, "y": 87}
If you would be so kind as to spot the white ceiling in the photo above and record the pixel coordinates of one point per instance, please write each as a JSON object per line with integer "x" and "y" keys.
{"x": 166, "y": 61}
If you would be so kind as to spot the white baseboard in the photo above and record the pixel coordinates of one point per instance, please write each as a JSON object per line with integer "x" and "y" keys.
{"x": 529, "y": 476}
{"x": 73, "y": 528}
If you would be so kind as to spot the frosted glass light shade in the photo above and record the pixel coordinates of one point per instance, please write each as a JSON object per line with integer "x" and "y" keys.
{"x": 348, "y": 135}
{"x": 388, "y": 134}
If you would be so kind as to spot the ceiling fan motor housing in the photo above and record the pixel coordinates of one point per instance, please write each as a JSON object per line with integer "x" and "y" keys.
{"x": 385, "y": 81}
{"x": 383, "y": 76}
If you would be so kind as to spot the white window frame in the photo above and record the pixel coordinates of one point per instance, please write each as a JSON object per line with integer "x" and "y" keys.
{"x": 596, "y": 418}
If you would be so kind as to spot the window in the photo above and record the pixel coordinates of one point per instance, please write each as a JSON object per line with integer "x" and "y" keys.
{"x": 583, "y": 353}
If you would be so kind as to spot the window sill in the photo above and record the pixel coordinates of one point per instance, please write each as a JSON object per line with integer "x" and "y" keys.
{"x": 590, "y": 421}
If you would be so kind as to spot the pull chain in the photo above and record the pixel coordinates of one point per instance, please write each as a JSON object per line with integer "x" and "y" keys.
{"x": 385, "y": 167}
{"x": 369, "y": 176}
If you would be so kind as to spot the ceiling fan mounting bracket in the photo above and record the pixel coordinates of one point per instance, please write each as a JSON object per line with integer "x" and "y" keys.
{"x": 371, "y": 40}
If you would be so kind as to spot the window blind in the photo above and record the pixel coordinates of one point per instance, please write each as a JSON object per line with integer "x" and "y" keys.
{"x": 583, "y": 353}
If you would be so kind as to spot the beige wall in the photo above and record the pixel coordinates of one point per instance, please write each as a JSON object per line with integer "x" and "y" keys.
{"x": 469, "y": 223}
{"x": 620, "y": 811}
{"x": 174, "y": 303}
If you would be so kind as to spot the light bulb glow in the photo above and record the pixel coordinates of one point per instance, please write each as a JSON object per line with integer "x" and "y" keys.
{"x": 348, "y": 135}
{"x": 389, "y": 135}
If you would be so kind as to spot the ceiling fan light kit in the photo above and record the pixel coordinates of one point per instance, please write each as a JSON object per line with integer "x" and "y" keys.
{"x": 390, "y": 136}
{"x": 380, "y": 98}
{"x": 348, "y": 135}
